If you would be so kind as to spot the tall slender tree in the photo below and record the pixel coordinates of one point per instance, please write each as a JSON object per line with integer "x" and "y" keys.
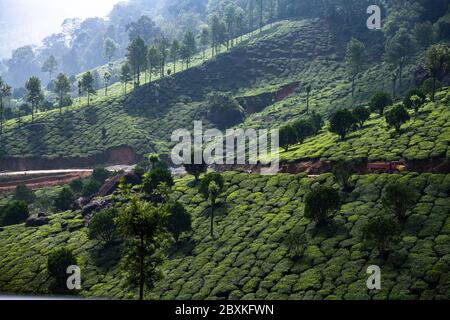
{"x": 5, "y": 92}
{"x": 230, "y": 17}
{"x": 355, "y": 60}
{"x": 163, "y": 48}
{"x": 437, "y": 58}
{"x": 399, "y": 51}
{"x": 110, "y": 48}
{"x": 50, "y": 66}
{"x": 190, "y": 45}
{"x": 154, "y": 60}
{"x": 136, "y": 56}
{"x": 106, "y": 79}
{"x": 204, "y": 39}
{"x": 87, "y": 85}
{"x": 174, "y": 51}
{"x": 62, "y": 88}
{"x": 35, "y": 95}
{"x": 125, "y": 75}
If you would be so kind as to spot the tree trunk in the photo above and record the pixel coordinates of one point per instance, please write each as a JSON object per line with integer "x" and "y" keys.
{"x": 433, "y": 91}
{"x": 141, "y": 271}
{"x": 212, "y": 219}
{"x": 60, "y": 103}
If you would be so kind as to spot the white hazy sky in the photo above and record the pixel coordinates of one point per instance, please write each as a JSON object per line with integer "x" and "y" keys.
{"x": 29, "y": 21}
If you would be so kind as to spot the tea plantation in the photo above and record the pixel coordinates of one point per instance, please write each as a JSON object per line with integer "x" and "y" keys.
{"x": 289, "y": 52}
{"x": 250, "y": 257}
{"x": 426, "y": 136}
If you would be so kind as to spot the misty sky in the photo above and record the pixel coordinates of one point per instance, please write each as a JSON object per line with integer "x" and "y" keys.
{"x": 29, "y": 21}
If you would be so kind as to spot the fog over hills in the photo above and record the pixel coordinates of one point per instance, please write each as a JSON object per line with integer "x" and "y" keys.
{"x": 28, "y": 21}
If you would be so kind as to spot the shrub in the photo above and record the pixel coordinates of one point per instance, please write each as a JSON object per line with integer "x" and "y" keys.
{"x": 23, "y": 193}
{"x": 288, "y": 137}
{"x": 296, "y": 241}
{"x": 196, "y": 169}
{"x": 316, "y": 121}
{"x": 91, "y": 188}
{"x": 397, "y": 116}
{"x": 179, "y": 220}
{"x": 100, "y": 174}
{"x": 341, "y": 123}
{"x": 76, "y": 185}
{"x": 303, "y": 129}
{"x": 381, "y": 232}
{"x": 155, "y": 177}
{"x": 103, "y": 227}
{"x": 58, "y": 262}
{"x": 64, "y": 200}
{"x": 414, "y": 99}
{"x": 399, "y": 198}
{"x": 321, "y": 204}
{"x": 361, "y": 115}
{"x": 379, "y": 102}
{"x": 14, "y": 212}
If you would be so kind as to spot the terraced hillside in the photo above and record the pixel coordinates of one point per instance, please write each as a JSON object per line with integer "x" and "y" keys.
{"x": 250, "y": 258}
{"x": 291, "y": 52}
{"x": 426, "y": 136}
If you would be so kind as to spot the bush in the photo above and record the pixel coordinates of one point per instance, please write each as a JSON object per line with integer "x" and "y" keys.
{"x": 361, "y": 115}
{"x": 381, "y": 232}
{"x": 379, "y": 102}
{"x": 91, "y": 188}
{"x": 196, "y": 169}
{"x": 397, "y": 116}
{"x": 179, "y": 220}
{"x": 155, "y": 177}
{"x": 103, "y": 227}
{"x": 342, "y": 122}
{"x": 76, "y": 185}
{"x": 288, "y": 137}
{"x": 321, "y": 204}
{"x": 15, "y": 212}
{"x": 58, "y": 262}
{"x": 399, "y": 198}
{"x": 64, "y": 200}
{"x": 342, "y": 172}
{"x": 410, "y": 101}
{"x": 303, "y": 129}
{"x": 206, "y": 181}
{"x": 100, "y": 175}
{"x": 23, "y": 193}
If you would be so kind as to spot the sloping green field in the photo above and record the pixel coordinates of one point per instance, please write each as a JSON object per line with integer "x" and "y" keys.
{"x": 290, "y": 51}
{"x": 426, "y": 136}
{"x": 250, "y": 258}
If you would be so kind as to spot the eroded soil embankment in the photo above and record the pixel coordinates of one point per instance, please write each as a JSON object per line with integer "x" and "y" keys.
{"x": 316, "y": 167}
{"x": 122, "y": 155}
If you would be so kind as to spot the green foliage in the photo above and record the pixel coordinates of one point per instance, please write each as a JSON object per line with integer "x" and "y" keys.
{"x": 379, "y": 102}
{"x": 143, "y": 224}
{"x": 76, "y": 185}
{"x": 288, "y": 137}
{"x": 179, "y": 220}
{"x": 361, "y": 114}
{"x": 102, "y": 226}
{"x": 100, "y": 174}
{"x": 321, "y": 203}
{"x": 437, "y": 59}
{"x": 196, "y": 169}
{"x": 23, "y": 193}
{"x": 397, "y": 116}
{"x": 14, "y": 212}
{"x": 91, "y": 188}
{"x": 341, "y": 123}
{"x": 153, "y": 179}
{"x": 355, "y": 59}
{"x": 415, "y": 98}
{"x": 64, "y": 200}
{"x": 381, "y": 232}
{"x": 215, "y": 177}
{"x": 399, "y": 198}
{"x": 57, "y": 263}
{"x": 342, "y": 171}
